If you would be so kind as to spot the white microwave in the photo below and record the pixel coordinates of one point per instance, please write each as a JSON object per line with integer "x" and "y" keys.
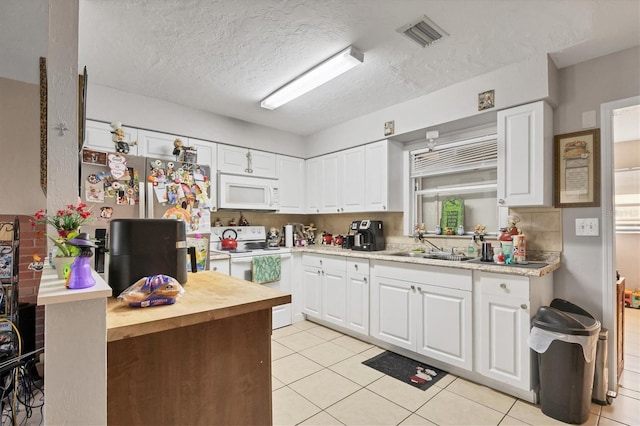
{"x": 237, "y": 192}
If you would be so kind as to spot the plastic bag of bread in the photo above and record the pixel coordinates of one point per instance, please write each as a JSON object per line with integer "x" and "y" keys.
{"x": 152, "y": 291}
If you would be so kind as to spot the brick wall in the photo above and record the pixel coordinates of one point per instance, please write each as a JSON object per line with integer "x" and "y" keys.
{"x": 32, "y": 242}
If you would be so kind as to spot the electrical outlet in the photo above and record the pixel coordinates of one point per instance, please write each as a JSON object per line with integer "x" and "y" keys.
{"x": 587, "y": 227}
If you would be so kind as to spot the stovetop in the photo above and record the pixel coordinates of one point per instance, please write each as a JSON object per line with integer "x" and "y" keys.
{"x": 251, "y": 241}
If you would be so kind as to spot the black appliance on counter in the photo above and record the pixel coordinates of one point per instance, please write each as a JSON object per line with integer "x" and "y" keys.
{"x": 144, "y": 247}
{"x": 369, "y": 236}
{"x": 349, "y": 239}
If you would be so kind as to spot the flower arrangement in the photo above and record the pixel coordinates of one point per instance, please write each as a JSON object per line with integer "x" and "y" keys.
{"x": 67, "y": 223}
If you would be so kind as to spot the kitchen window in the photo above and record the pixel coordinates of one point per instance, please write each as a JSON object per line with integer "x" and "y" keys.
{"x": 465, "y": 169}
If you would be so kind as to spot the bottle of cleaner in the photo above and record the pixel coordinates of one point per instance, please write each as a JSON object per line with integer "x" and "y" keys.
{"x": 472, "y": 250}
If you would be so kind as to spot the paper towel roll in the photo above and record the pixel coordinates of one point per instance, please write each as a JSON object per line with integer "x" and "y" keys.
{"x": 288, "y": 236}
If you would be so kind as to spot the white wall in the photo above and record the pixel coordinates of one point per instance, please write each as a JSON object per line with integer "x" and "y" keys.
{"x": 107, "y": 104}
{"x": 514, "y": 85}
{"x": 583, "y": 87}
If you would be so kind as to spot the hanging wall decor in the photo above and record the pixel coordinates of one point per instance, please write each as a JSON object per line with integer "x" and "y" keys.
{"x": 577, "y": 169}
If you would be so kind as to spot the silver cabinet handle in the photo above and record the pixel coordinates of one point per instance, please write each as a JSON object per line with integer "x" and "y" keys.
{"x": 321, "y": 261}
{"x": 322, "y": 272}
{"x": 318, "y": 272}
{"x": 317, "y": 210}
{"x": 523, "y": 306}
{"x": 503, "y": 286}
{"x": 384, "y": 207}
{"x": 419, "y": 288}
{"x": 215, "y": 268}
{"x": 355, "y": 266}
{"x": 501, "y": 201}
{"x": 413, "y": 287}
{"x": 365, "y": 280}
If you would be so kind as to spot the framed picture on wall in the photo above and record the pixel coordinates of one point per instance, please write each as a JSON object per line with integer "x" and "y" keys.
{"x": 577, "y": 169}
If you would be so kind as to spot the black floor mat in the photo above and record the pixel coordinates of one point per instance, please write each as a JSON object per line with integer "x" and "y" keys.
{"x": 405, "y": 369}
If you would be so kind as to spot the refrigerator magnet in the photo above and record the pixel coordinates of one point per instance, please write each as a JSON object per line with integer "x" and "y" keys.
{"x": 94, "y": 192}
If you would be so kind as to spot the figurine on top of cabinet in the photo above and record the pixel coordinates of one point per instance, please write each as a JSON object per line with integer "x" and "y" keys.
{"x": 178, "y": 149}
{"x": 479, "y": 229}
{"x": 232, "y": 222}
{"x": 118, "y": 137}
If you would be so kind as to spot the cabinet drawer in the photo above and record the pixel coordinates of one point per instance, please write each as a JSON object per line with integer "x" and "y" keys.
{"x": 439, "y": 276}
{"x": 334, "y": 263}
{"x": 358, "y": 266}
{"x": 503, "y": 285}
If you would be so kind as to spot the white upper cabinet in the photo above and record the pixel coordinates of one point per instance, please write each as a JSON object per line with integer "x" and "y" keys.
{"x": 353, "y": 180}
{"x": 383, "y": 176}
{"x": 312, "y": 184}
{"x": 330, "y": 183}
{"x": 290, "y": 172}
{"x": 243, "y": 161}
{"x": 98, "y": 136}
{"x": 157, "y": 144}
{"x": 525, "y": 155}
{"x": 367, "y": 178}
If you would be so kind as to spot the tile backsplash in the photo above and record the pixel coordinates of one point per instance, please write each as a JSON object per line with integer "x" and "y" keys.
{"x": 542, "y": 226}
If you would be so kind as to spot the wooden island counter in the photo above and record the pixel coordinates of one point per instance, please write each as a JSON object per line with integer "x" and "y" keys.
{"x": 204, "y": 360}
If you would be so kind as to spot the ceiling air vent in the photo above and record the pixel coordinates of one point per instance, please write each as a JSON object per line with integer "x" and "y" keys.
{"x": 424, "y": 32}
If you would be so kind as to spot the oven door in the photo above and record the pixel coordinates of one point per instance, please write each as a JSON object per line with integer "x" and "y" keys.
{"x": 241, "y": 268}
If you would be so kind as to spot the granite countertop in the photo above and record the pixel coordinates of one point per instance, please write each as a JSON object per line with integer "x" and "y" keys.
{"x": 535, "y": 268}
{"x": 208, "y": 296}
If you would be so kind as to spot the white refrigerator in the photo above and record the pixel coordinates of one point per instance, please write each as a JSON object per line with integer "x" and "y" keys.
{"x": 121, "y": 186}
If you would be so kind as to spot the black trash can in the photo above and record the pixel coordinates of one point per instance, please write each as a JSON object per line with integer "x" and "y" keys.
{"x": 566, "y": 346}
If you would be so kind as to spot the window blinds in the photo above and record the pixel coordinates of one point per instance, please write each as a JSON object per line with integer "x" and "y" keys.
{"x": 470, "y": 154}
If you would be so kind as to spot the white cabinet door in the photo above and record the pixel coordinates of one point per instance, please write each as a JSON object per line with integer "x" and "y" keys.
{"x": 158, "y": 145}
{"x": 377, "y": 176}
{"x": 220, "y": 265}
{"x": 358, "y": 296}
{"x": 243, "y": 161}
{"x": 445, "y": 326}
{"x": 312, "y": 183}
{"x": 505, "y": 355}
{"x": 330, "y": 183}
{"x": 393, "y": 312}
{"x": 98, "y": 136}
{"x": 290, "y": 171}
{"x": 312, "y": 291}
{"x": 334, "y": 295}
{"x": 525, "y": 155}
{"x": 353, "y": 180}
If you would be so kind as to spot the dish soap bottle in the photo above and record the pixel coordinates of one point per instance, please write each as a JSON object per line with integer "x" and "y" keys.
{"x": 472, "y": 249}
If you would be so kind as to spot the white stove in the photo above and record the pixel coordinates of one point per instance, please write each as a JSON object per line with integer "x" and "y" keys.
{"x": 251, "y": 244}
{"x": 251, "y": 241}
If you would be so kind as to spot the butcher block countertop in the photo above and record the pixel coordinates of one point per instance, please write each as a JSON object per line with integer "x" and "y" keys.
{"x": 208, "y": 296}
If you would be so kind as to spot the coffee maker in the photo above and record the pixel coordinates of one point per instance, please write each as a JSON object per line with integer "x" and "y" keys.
{"x": 369, "y": 236}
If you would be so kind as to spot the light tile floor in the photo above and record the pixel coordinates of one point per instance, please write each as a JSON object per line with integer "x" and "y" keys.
{"x": 319, "y": 379}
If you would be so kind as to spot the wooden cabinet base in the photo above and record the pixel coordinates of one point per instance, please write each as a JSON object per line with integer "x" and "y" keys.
{"x": 216, "y": 372}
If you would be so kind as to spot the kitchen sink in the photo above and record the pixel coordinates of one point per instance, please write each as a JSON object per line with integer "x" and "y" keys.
{"x": 433, "y": 255}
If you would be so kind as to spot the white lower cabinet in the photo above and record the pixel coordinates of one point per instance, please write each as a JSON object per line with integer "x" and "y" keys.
{"x": 336, "y": 296}
{"x": 425, "y": 309}
{"x": 504, "y": 306}
{"x": 220, "y": 265}
{"x": 357, "y": 305}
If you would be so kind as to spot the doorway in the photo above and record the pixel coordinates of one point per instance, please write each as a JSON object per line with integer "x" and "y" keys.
{"x": 608, "y": 114}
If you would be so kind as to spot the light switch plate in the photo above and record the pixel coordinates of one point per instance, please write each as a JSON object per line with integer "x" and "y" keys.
{"x": 587, "y": 227}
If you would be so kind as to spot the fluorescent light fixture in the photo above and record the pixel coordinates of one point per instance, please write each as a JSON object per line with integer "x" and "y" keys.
{"x": 315, "y": 77}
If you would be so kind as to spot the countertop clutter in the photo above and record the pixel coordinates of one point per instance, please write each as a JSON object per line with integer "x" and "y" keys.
{"x": 533, "y": 269}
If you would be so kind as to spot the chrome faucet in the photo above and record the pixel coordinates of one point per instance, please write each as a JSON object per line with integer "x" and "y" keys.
{"x": 431, "y": 244}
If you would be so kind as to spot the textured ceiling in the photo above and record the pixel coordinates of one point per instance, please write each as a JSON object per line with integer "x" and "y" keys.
{"x": 224, "y": 56}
